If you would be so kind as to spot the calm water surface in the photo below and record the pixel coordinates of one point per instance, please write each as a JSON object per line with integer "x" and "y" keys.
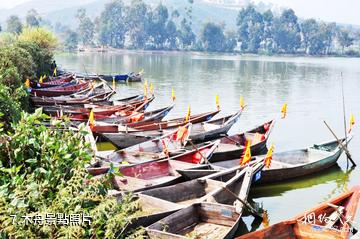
{"x": 310, "y": 86}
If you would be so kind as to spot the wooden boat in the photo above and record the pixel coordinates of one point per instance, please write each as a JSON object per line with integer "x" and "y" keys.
{"x": 286, "y": 165}
{"x": 66, "y": 89}
{"x": 132, "y": 156}
{"x": 128, "y": 117}
{"x": 115, "y": 134}
{"x": 211, "y": 188}
{"x": 99, "y": 110}
{"x": 199, "y": 132}
{"x": 99, "y": 94}
{"x": 131, "y": 77}
{"x": 152, "y": 174}
{"x": 233, "y": 146}
{"x": 161, "y": 202}
{"x": 174, "y": 123}
{"x": 212, "y": 129}
{"x": 329, "y": 220}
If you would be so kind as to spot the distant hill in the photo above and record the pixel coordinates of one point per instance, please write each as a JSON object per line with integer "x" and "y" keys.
{"x": 64, "y": 11}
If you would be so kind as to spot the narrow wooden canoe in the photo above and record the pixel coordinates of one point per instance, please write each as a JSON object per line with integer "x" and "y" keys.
{"x": 66, "y": 89}
{"x": 310, "y": 224}
{"x": 128, "y": 117}
{"x": 202, "y": 132}
{"x": 117, "y": 135}
{"x": 212, "y": 129}
{"x": 233, "y": 146}
{"x": 149, "y": 175}
{"x": 200, "y": 220}
{"x": 99, "y": 94}
{"x": 140, "y": 157}
{"x": 174, "y": 123}
{"x": 210, "y": 188}
{"x": 285, "y": 165}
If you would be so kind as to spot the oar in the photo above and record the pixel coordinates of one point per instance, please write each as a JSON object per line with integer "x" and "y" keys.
{"x": 193, "y": 145}
{"x": 341, "y": 145}
{"x": 343, "y": 102}
{"x": 246, "y": 204}
{"x": 232, "y": 140}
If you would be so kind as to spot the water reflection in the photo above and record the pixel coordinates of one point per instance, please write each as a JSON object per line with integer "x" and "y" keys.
{"x": 310, "y": 86}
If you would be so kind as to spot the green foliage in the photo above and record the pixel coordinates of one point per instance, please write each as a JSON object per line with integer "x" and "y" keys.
{"x": 13, "y": 24}
{"x": 71, "y": 40}
{"x": 42, "y": 171}
{"x": 251, "y": 29}
{"x": 137, "y": 20}
{"x": 111, "y": 26}
{"x": 9, "y": 109}
{"x": 213, "y": 37}
{"x": 344, "y": 38}
{"x": 41, "y": 36}
{"x": 86, "y": 27}
{"x": 287, "y": 32}
{"x": 32, "y": 18}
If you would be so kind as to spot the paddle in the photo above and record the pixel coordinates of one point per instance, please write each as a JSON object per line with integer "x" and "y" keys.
{"x": 342, "y": 216}
{"x": 232, "y": 140}
{"x": 341, "y": 145}
{"x": 193, "y": 145}
{"x": 246, "y": 204}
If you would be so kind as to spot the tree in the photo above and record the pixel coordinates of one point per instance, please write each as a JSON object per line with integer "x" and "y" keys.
{"x": 111, "y": 26}
{"x": 137, "y": 21}
{"x": 287, "y": 32}
{"x": 213, "y": 38}
{"x": 14, "y": 24}
{"x": 71, "y": 40}
{"x": 172, "y": 35}
{"x": 250, "y": 29}
{"x": 157, "y": 26}
{"x": 32, "y": 18}
{"x": 309, "y": 29}
{"x": 344, "y": 39}
{"x": 86, "y": 28}
{"x": 187, "y": 36}
{"x": 230, "y": 41}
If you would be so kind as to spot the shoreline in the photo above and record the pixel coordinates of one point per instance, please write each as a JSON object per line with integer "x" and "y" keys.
{"x": 192, "y": 52}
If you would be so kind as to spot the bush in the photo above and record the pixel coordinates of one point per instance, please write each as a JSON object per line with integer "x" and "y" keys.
{"x": 42, "y": 171}
{"x": 9, "y": 108}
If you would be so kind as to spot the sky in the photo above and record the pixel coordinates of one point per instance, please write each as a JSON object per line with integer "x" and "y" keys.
{"x": 344, "y": 11}
{"x": 11, "y": 3}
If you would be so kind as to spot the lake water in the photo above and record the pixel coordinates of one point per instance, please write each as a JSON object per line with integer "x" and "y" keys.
{"x": 310, "y": 86}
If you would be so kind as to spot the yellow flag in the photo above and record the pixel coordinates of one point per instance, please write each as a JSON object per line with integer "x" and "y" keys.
{"x": 146, "y": 88}
{"x": 113, "y": 83}
{"x": 265, "y": 221}
{"x": 283, "y": 111}
{"x": 268, "y": 156}
{"x": 173, "y": 97}
{"x": 55, "y": 72}
{"x": 187, "y": 118}
{"x": 217, "y": 102}
{"x": 352, "y": 122}
{"x": 27, "y": 83}
{"x": 151, "y": 88}
{"x": 91, "y": 119}
{"x": 41, "y": 80}
{"x": 242, "y": 103}
{"x": 247, "y": 154}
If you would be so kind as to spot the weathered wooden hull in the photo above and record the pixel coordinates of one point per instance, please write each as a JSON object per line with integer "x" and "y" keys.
{"x": 276, "y": 175}
{"x": 222, "y": 219}
{"x": 204, "y": 134}
{"x": 313, "y": 227}
{"x": 230, "y": 150}
{"x": 59, "y": 90}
